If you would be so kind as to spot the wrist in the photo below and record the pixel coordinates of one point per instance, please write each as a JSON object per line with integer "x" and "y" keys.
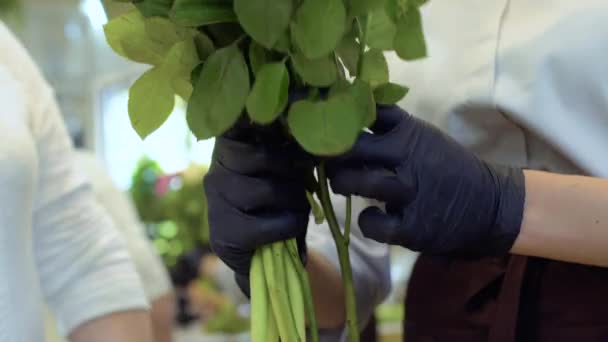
{"x": 511, "y": 194}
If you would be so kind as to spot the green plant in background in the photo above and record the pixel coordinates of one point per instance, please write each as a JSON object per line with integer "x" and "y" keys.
{"x": 229, "y": 57}
{"x": 177, "y": 217}
{"x": 188, "y": 207}
{"x": 149, "y": 205}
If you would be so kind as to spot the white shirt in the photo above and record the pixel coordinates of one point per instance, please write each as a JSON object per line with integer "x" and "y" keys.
{"x": 518, "y": 82}
{"x": 54, "y": 237}
{"x": 149, "y": 266}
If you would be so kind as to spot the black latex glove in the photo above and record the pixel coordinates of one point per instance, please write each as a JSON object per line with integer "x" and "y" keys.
{"x": 255, "y": 195}
{"x": 440, "y": 198}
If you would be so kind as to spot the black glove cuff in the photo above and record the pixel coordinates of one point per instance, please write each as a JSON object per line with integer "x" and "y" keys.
{"x": 511, "y": 189}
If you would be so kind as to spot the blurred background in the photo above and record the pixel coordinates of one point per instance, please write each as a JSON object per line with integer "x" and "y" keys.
{"x": 162, "y": 175}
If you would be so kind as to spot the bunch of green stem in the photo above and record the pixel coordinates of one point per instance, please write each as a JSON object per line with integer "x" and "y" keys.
{"x": 281, "y": 298}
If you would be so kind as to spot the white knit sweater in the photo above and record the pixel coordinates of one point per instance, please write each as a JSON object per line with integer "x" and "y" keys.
{"x": 54, "y": 237}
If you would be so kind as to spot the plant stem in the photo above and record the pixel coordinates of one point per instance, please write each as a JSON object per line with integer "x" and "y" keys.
{"x": 292, "y": 249}
{"x": 362, "y": 40}
{"x": 343, "y": 254}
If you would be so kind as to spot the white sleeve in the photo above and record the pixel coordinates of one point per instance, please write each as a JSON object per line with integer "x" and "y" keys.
{"x": 369, "y": 259}
{"x": 84, "y": 267}
{"x": 149, "y": 266}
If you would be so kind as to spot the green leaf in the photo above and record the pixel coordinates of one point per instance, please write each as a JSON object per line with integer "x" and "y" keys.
{"x": 195, "y": 75}
{"x": 284, "y": 43}
{"x": 396, "y": 9}
{"x": 204, "y": 45}
{"x": 126, "y": 35}
{"x": 257, "y": 57}
{"x": 319, "y": 26}
{"x": 418, "y": 3}
{"x": 321, "y": 72}
{"x": 380, "y": 30}
{"x": 362, "y": 94}
{"x": 151, "y": 101}
{"x": 178, "y": 65}
{"x": 268, "y": 98}
{"x": 361, "y": 7}
{"x": 348, "y": 52}
{"x": 264, "y": 20}
{"x": 162, "y": 30}
{"x": 182, "y": 87}
{"x": 220, "y": 94}
{"x": 326, "y": 128}
{"x": 224, "y": 34}
{"x": 409, "y": 41}
{"x": 341, "y": 86}
{"x": 375, "y": 68}
{"x": 154, "y": 8}
{"x": 390, "y": 93}
{"x": 202, "y": 12}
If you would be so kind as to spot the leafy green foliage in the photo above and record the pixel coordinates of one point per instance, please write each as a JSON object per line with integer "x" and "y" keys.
{"x": 154, "y": 8}
{"x": 374, "y": 68}
{"x": 318, "y": 27}
{"x": 409, "y": 40}
{"x": 220, "y": 94}
{"x": 348, "y": 51}
{"x": 151, "y": 100}
{"x": 257, "y": 57}
{"x": 321, "y": 72}
{"x": 381, "y": 30}
{"x": 268, "y": 98}
{"x": 127, "y": 36}
{"x": 362, "y": 7}
{"x": 198, "y": 47}
{"x": 390, "y": 93}
{"x": 284, "y": 43}
{"x": 204, "y": 45}
{"x": 362, "y": 94}
{"x": 327, "y": 128}
{"x": 202, "y": 12}
{"x": 179, "y": 62}
{"x": 264, "y": 20}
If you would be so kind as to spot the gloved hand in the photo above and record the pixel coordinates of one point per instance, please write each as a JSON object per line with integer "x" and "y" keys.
{"x": 255, "y": 194}
{"x": 440, "y": 198}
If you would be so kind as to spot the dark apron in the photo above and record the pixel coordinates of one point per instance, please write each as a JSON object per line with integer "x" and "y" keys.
{"x": 506, "y": 299}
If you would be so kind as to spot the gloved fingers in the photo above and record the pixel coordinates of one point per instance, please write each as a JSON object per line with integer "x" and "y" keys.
{"x": 276, "y": 226}
{"x": 256, "y": 159}
{"x": 370, "y": 150}
{"x": 302, "y": 248}
{"x": 242, "y": 281}
{"x": 387, "y": 119}
{"x": 249, "y": 194}
{"x": 379, "y": 184}
{"x": 377, "y": 148}
{"x": 230, "y": 226}
{"x": 379, "y": 226}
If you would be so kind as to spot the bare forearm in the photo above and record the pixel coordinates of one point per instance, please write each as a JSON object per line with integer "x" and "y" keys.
{"x": 327, "y": 291}
{"x": 125, "y": 326}
{"x": 565, "y": 218}
{"x": 161, "y": 314}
